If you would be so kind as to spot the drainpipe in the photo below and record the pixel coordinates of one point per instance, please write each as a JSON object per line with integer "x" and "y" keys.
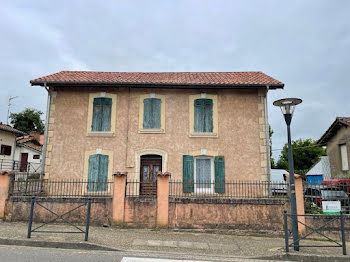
{"x": 46, "y": 130}
{"x": 268, "y": 167}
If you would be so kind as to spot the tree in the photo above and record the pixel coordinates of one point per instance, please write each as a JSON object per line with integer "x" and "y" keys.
{"x": 305, "y": 154}
{"x": 28, "y": 120}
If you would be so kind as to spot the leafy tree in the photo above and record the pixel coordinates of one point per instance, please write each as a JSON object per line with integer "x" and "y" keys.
{"x": 28, "y": 120}
{"x": 305, "y": 154}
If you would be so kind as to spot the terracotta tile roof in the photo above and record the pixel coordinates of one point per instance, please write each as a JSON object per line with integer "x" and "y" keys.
{"x": 333, "y": 129}
{"x": 164, "y": 78}
{"x": 10, "y": 129}
{"x": 29, "y": 141}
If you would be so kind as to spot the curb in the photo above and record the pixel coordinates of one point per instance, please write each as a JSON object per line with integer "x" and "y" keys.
{"x": 305, "y": 257}
{"x": 56, "y": 244}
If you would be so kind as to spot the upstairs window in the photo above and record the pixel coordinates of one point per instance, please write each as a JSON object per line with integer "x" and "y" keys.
{"x": 101, "y": 117}
{"x": 152, "y": 113}
{"x": 203, "y": 115}
{"x": 344, "y": 157}
{"x": 5, "y": 150}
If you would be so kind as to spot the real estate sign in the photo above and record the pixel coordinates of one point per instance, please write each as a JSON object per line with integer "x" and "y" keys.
{"x": 331, "y": 207}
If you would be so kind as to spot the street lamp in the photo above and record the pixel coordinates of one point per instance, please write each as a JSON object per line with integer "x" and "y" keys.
{"x": 287, "y": 106}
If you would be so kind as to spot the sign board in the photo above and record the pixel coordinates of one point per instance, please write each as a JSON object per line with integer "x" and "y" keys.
{"x": 331, "y": 207}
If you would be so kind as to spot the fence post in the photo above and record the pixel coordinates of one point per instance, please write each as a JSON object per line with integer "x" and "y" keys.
{"x": 285, "y": 226}
{"x": 88, "y": 220}
{"x": 5, "y": 179}
{"x": 163, "y": 199}
{"x": 342, "y": 228}
{"x": 299, "y": 195}
{"x": 31, "y": 217}
{"x": 118, "y": 201}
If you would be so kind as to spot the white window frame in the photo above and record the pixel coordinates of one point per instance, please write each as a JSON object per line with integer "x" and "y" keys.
{"x": 204, "y": 190}
{"x": 344, "y": 157}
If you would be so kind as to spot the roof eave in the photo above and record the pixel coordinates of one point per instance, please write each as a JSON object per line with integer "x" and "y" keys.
{"x": 164, "y": 85}
{"x": 328, "y": 134}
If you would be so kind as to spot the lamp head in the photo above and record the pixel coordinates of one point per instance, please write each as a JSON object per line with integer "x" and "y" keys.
{"x": 287, "y": 105}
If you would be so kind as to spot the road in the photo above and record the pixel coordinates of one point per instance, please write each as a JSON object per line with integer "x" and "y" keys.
{"x": 38, "y": 254}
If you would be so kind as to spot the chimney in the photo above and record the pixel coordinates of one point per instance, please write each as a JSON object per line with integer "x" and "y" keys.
{"x": 35, "y": 134}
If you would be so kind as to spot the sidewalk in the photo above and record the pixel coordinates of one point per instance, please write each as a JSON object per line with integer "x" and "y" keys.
{"x": 169, "y": 241}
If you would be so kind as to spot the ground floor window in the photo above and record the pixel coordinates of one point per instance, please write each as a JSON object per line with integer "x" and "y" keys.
{"x": 98, "y": 172}
{"x": 203, "y": 173}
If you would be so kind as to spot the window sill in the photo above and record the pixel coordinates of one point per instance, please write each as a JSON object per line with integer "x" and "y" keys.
{"x": 100, "y": 134}
{"x": 204, "y": 135}
{"x": 152, "y": 131}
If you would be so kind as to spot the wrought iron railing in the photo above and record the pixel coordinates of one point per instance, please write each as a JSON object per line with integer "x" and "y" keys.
{"x": 14, "y": 165}
{"x": 228, "y": 189}
{"x": 61, "y": 188}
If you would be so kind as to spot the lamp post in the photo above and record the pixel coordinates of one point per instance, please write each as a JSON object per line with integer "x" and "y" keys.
{"x": 287, "y": 106}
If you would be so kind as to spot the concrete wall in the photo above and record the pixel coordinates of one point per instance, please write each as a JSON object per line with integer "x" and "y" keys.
{"x": 333, "y": 151}
{"x": 8, "y": 139}
{"x": 241, "y": 136}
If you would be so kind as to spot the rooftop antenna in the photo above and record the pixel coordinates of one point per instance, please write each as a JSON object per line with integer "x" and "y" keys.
{"x": 8, "y": 110}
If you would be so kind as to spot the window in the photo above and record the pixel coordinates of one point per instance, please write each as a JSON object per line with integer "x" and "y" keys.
{"x": 203, "y": 174}
{"x": 203, "y": 115}
{"x": 36, "y": 156}
{"x": 344, "y": 157}
{"x": 5, "y": 150}
{"x": 151, "y": 113}
{"x": 98, "y": 172}
{"x": 101, "y": 117}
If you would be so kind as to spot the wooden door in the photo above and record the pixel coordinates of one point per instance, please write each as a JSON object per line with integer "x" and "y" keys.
{"x": 24, "y": 162}
{"x": 150, "y": 166}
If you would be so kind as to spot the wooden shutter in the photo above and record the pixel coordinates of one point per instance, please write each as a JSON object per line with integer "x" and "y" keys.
{"x": 156, "y": 102}
{"x": 188, "y": 182}
{"x": 97, "y": 115}
{"x": 198, "y": 115}
{"x": 219, "y": 163}
{"x": 93, "y": 172}
{"x": 208, "y": 115}
{"x": 106, "y": 114}
{"x": 103, "y": 173}
{"x": 147, "y": 113}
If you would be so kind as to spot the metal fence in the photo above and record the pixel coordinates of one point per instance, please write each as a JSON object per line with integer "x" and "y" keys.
{"x": 61, "y": 188}
{"x": 229, "y": 189}
{"x": 136, "y": 188}
{"x": 27, "y": 167}
{"x": 315, "y": 194}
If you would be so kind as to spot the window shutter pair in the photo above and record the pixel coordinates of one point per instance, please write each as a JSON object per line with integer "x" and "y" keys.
{"x": 151, "y": 113}
{"x": 98, "y": 172}
{"x": 203, "y": 115}
{"x": 188, "y": 174}
{"x": 101, "y": 117}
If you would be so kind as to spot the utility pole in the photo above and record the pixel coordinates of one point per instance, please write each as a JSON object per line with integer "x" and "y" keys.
{"x": 8, "y": 110}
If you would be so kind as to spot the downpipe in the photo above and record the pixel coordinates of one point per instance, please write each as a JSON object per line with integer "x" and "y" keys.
{"x": 48, "y": 103}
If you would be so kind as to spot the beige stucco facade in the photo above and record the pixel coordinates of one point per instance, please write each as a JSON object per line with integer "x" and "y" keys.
{"x": 333, "y": 150}
{"x": 240, "y": 132}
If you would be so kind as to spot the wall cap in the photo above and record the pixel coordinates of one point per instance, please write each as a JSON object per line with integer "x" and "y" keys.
{"x": 120, "y": 174}
{"x": 164, "y": 174}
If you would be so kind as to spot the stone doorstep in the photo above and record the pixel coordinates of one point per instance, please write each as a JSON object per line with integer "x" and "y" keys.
{"x": 182, "y": 244}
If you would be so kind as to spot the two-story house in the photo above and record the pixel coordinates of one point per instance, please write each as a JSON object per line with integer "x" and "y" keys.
{"x": 197, "y": 126}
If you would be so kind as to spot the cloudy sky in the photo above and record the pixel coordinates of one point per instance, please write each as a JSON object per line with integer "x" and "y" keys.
{"x": 305, "y": 44}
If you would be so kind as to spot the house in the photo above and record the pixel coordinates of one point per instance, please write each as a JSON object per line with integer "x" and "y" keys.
{"x": 319, "y": 171}
{"x": 337, "y": 140}
{"x": 8, "y": 136}
{"x": 28, "y": 153}
{"x": 200, "y": 127}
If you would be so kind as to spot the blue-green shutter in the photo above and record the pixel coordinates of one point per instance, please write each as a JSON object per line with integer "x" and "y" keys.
{"x": 187, "y": 180}
{"x": 93, "y": 171}
{"x": 208, "y": 115}
{"x": 203, "y": 115}
{"x": 151, "y": 112}
{"x": 97, "y": 114}
{"x": 147, "y": 113}
{"x": 103, "y": 173}
{"x": 219, "y": 163}
{"x": 106, "y": 114}
{"x": 156, "y": 103}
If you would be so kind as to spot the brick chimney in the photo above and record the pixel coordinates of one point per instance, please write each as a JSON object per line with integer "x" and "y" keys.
{"x": 35, "y": 134}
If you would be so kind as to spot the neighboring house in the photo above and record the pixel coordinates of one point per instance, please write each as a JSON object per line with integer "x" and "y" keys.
{"x": 8, "y": 136}
{"x": 28, "y": 153}
{"x": 319, "y": 171}
{"x": 200, "y": 127}
{"x": 337, "y": 140}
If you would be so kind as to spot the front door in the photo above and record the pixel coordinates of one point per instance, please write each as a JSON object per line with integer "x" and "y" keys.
{"x": 24, "y": 162}
{"x": 150, "y": 166}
